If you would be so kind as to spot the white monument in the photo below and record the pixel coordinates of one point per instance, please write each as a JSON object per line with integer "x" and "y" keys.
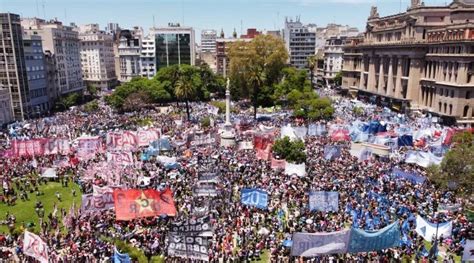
{"x": 228, "y": 134}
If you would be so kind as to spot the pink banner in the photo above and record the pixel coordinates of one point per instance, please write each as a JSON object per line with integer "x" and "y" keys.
{"x": 122, "y": 141}
{"x": 263, "y": 154}
{"x": 108, "y": 172}
{"x": 277, "y": 164}
{"x": 122, "y": 158}
{"x": 148, "y": 136}
{"x": 89, "y": 147}
{"x": 38, "y": 147}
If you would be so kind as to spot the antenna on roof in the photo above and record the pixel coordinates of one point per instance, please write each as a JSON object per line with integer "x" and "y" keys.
{"x": 37, "y": 9}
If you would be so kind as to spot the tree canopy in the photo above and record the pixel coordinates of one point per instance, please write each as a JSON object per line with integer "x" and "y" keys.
{"x": 457, "y": 168}
{"x": 291, "y": 151}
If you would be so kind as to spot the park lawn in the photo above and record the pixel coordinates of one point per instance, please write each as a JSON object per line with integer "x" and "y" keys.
{"x": 264, "y": 258}
{"x": 24, "y": 211}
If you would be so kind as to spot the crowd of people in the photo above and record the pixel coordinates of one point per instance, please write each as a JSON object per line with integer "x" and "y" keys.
{"x": 369, "y": 197}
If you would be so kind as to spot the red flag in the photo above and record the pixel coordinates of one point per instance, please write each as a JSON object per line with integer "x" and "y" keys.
{"x": 135, "y": 203}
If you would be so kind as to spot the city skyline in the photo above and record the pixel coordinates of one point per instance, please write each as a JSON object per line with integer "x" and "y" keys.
{"x": 208, "y": 14}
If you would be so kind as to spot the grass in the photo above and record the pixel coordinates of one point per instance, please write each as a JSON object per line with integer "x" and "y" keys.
{"x": 264, "y": 258}
{"x": 24, "y": 211}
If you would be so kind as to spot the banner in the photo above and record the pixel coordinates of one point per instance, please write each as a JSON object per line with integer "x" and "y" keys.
{"x": 35, "y": 247}
{"x": 324, "y": 201}
{"x": 410, "y": 176}
{"x": 121, "y": 158}
{"x": 205, "y": 190}
{"x": 246, "y": 145}
{"x": 298, "y": 169}
{"x": 331, "y": 152}
{"x": 208, "y": 177}
{"x": 201, "y": 140}
{"x": 315, "y": 244}
{"x": 121, "y": 257}
{"x": 262, "y": 141}
{"x": 423, "y": 159}
{"x": 145, "y": 137}
{"x": 263, "y": 154}
{"x": 103, "y": 197}
{"x": 95, "y": 203}
{"x": 386, "y": 237}
{"x": 39, "y": 147}
{"x": 254, "y": 197}
{"x": 188, "y": 247}
{"x": 468, "y": 255}
{"x": 427, "y": 230}
{"x": 278, "y": 164}
{"x": 200, "y": 226}
{"x": 89, "y": 147}
{"x": 125, "y": 140}
{"x": 134, "y": 203}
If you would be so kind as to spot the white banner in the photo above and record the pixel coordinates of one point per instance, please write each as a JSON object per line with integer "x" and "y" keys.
{"x": 298, "y": 169}
{"x": 427, "y": 230}
{"x": 35, "y": 247}
{"x": 468, "y": 255}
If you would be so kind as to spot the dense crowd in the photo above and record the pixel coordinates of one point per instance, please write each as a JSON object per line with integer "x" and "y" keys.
{"x": 369, "y": 198}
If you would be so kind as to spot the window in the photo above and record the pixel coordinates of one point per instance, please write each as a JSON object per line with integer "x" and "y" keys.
{"x": 468, "y": 95}
{"x": 452, "y": 93}
{"x": 466, "y": 109}
{"x": 450, "y": 109}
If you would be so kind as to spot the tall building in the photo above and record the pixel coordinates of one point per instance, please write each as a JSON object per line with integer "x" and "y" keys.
{"x": 13, "y": 75}
{"x": 208, "y": 41}
{"x": 36, "y": 73}
{"x": 129, "y": 52}
{"x": 299, "y": 42}
{"x": 174, "y": 45}
{"x": 112, "y": 28}
{"x": 97, "y": 57}
{"x": 420, "y": 59}
{"x": 148, "y": 57}
{"x": 6, "y": 114}
{"x": 62, "y": 42}
{"x": 333, "y": 57}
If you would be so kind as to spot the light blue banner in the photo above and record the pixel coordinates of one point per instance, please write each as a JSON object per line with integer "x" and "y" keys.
{"x": 315, "y": 244}
{"x": 324, "y": 201}
{"x": 254, "y": 197}
{"x": 386, "y": 237}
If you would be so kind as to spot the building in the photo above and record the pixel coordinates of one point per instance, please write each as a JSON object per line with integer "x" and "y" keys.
{"x": 251, "y": 33}
{"x": 299, "y": 42}
{"x": 275, "y": 33}
{"x": 174, "y": 45}
{"x": 6, "y": 114}
{"x": 129, "y": 52}
{"x": 148, "y": 57}
{"x": 62, "y": 42}
{"x": 333, "y": 57}
{"x": 208, "y": 41}
{"x": 112, "y": 28}
{"x": 331, "y": 30}
{"x": 36, "y": 73}
{"x": 417, "y": 60}
{"x": 13, "y": 75}
{"x": 97, "y": 57}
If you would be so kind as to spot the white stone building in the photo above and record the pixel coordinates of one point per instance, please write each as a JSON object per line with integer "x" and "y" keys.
{"x": 97, "y": 57}
{"x": 63, "y": 42}
{"x": 6, "y": 114}
{"x": 147, "y": 57}
{"x": 208, "y": 41}
{"x": 333, "y": 57}
{"x": 129, "y": 52}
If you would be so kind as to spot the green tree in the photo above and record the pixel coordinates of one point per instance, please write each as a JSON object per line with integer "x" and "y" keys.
{"x": 291, "y": 151}
{"x": 457, "y": 168}
{"x": 92, "y": 90}
{"x": 255, "y": 65}
{"x": 184, "y": 89}
{"x": 338, "y": 78}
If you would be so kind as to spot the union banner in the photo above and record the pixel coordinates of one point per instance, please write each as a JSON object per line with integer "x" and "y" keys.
{"x": 136, "y": 203}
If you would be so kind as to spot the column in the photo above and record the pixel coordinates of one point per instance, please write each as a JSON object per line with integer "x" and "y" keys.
{"x": 371, "y": 78}
{"x": 362, "y": 79}
{"x": 414, "y": 79}
{"x": 381, "y": 81}
{"x": 390, "y": 84}
{"x": 398, "y": 80}
{"x": 462, "y": 73}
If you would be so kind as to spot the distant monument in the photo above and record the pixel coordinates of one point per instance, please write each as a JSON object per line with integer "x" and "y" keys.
{"x": 228, "y": 134}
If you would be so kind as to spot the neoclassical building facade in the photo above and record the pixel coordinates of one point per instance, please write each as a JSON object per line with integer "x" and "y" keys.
{"x": 422, "y": 59}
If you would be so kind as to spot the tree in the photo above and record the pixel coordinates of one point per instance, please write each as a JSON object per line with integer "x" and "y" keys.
{"x": 291, "y": 151}
{"x": 338, "y": 79}
{"x": 184, "y": 89}
{"x": 255, "y": 65}
{"x": 457, "y": 170}
{"x": 92, "y": 90}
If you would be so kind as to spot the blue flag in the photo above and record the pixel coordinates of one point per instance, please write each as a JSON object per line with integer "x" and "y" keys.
{"x": 121, "y": 257}
{"x": 324, "y": 201}
{"x": 386, "y": 237}
{"x": 254, "y": 197}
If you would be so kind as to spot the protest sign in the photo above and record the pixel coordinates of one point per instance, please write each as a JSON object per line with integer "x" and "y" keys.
{"x": 386, "y": 237}
{"x": 190, "y": 247}
{"x": 200, "y": 226}
{"x": 315, "y": 244}
{"x": 135, "y": 203}
{"x": 324, "y": 201}
{"x": 35, "y": 247}
{"x": 254, "y": 197}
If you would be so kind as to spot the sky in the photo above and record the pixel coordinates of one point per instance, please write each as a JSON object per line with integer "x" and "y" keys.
{"x": 207, "y": 14}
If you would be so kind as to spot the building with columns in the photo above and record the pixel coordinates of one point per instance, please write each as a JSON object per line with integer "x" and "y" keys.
{"x": 422, "y": 59}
